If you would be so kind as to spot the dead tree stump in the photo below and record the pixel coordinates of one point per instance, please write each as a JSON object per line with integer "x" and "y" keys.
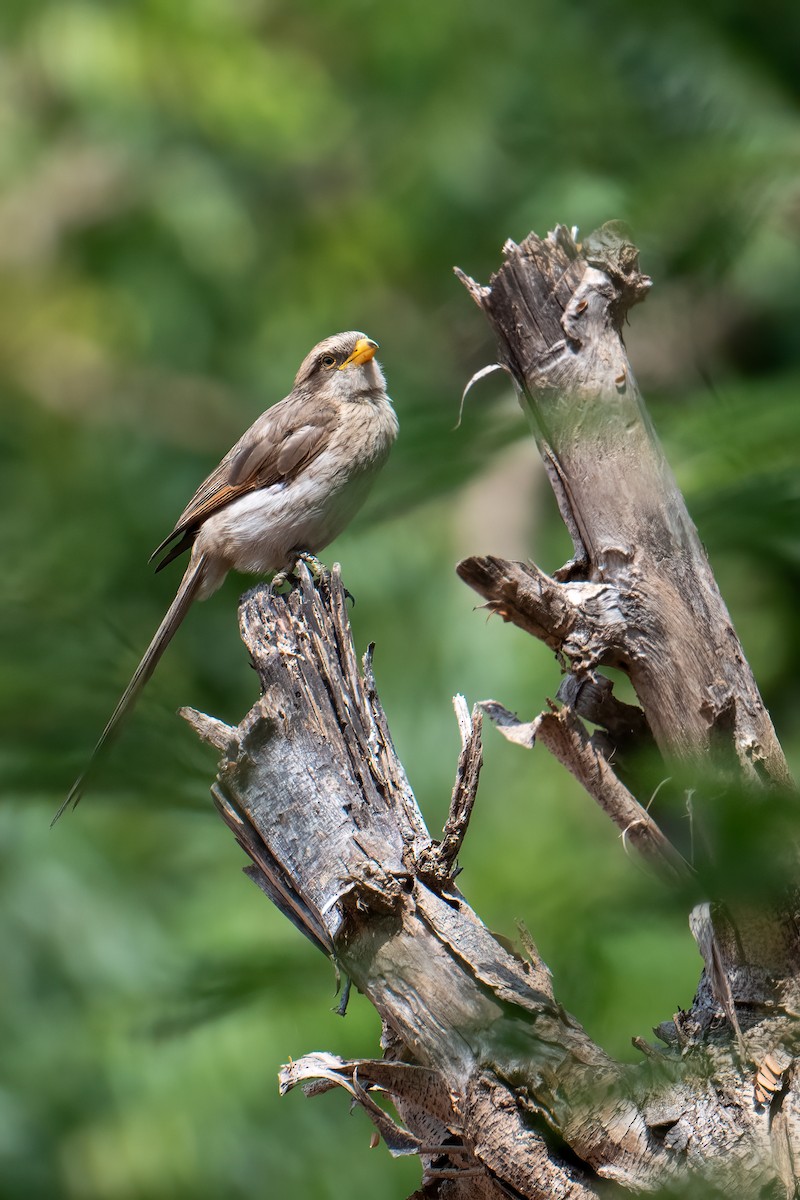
{"x": 499, "y": 1090}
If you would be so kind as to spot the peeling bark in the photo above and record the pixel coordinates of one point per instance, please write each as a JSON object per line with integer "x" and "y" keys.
{"x": 497, "y": 1089}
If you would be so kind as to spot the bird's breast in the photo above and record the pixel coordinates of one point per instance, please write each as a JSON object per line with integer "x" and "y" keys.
{"x": 262, "y": 531}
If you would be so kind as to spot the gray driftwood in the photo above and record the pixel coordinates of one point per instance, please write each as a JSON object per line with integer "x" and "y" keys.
{"x": 497, "y": 1089}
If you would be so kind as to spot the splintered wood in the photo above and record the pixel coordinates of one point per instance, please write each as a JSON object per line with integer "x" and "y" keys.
{"x": 495, "y": 1087}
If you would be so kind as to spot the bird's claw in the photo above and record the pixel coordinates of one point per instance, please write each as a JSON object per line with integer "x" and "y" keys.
{"x": 318, "y": 569}
{"x": 315, "y": 567}
{"x": 279, "y": 580}
{"x": 289, "y": 575}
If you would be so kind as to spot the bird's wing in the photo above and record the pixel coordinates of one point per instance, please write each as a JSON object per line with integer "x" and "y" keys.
{"x": 275, "y": 449}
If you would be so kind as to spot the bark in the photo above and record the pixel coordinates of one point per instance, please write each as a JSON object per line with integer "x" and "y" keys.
{"x": 497, "y": 1089}
{"x": 639, "y": 593}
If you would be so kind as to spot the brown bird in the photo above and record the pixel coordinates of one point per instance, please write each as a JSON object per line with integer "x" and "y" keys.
{"x": 288, "y": 487}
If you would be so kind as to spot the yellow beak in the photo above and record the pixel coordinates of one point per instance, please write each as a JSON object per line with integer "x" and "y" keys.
{"x": 364, "y": 351}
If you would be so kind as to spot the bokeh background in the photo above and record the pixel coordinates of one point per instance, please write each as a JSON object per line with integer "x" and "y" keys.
{"x": 191, "y": 195}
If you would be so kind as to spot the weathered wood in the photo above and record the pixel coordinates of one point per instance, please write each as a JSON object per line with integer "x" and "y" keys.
{"x": 499, "y": 1091}
{"x": 639, "y": 593}
{"x": 312, "y": 790}
{"x": 436, "y": 866}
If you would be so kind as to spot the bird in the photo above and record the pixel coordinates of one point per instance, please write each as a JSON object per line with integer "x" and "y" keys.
{"x": 287, "y": 488}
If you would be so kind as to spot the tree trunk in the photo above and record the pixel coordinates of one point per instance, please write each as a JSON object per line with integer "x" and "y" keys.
{"x": 499, "y": 1090}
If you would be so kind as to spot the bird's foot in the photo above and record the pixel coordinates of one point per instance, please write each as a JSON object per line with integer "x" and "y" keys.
{"x": 279, "y": 580}
{"x": 318, "y": 569}
{"x": 289, "y": 576}
{"x": 315, "y": 567}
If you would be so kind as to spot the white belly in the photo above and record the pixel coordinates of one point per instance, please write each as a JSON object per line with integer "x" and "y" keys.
{"x": 263, "y": 531}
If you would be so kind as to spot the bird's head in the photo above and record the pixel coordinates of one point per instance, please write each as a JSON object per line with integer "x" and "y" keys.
{"x": 343, "y": 367}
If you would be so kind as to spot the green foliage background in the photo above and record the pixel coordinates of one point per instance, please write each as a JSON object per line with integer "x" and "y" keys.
{"x": 191, "y": 195}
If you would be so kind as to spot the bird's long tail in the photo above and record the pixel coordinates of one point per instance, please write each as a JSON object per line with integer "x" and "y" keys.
{"x": 187, "y": 592}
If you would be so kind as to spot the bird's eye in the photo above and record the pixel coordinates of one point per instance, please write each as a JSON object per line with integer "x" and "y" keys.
{"x": 328, "y": 360}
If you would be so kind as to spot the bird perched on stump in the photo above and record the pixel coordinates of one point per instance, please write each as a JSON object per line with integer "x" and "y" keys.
{"x": 288, "y": 487}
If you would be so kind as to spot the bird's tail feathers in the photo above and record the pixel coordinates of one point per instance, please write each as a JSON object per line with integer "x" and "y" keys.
{"x": 187, "y": 592}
